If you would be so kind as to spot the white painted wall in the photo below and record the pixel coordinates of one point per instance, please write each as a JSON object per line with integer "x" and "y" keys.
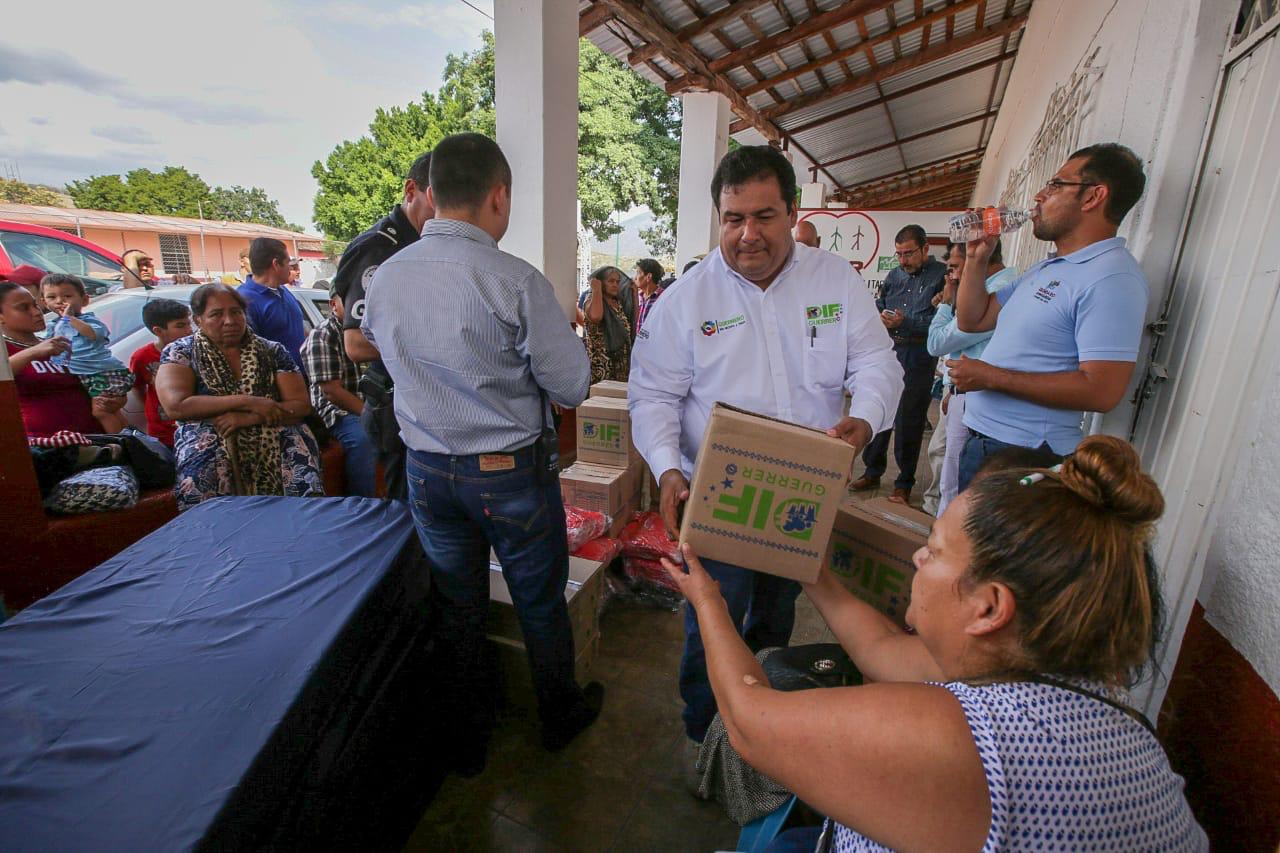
{"x": 1241, "y": 590}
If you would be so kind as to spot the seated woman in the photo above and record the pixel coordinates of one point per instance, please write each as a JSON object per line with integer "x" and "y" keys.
{"x": 1033, "y": 605}
{"x": 50, "y": 396}
{"x": 239, "y": 401}
{"x": 607, "y": 329}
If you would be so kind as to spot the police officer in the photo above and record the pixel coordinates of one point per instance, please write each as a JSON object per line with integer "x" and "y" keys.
{"x": 356, "y": 268}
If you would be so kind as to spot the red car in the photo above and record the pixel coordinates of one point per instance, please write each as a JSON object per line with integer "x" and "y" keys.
{"x": 57, "y": 251}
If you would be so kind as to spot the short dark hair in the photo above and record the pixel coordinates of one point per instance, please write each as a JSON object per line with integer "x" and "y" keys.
{"x": 159, "y": 313}
{"x": 753, "y": 163}
{"x": 693, "y": 263}
{"x": 1119, "y": 170}
{"x": 464, "y": 168}
{"x": 63, "y": 278}
{"x": 420, "y": 171}
{"x": 203, "y": 293}
{"x": 264, "y": 251}
{"x": 652, "y": 267}
{"x": 912, "y": 232}
{"x": 7, "y": 287}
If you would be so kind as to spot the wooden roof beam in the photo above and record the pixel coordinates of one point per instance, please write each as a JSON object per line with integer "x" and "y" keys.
{"x": 888, "y": 37}
{"x": 655, "y": 32}
{"x": 893, "y": 179}
{"x": 593, "y": 18}
{"x": 901, "y": 93}
{"x": 957, "y": 179}
{"x": 712, "y": 21}
{"x": 907, "y": 63}
{"x": 816, "y": 25}
{"x": 912, "y": 138}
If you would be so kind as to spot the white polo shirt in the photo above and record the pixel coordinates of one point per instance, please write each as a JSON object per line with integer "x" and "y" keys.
{"x": 789, "y": 351}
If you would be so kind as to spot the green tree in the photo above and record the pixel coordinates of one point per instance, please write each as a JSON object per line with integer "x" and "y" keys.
{"x": 174, "y": 191}
{"x": 241, "y": 204}
{"x": 17, "y": 192}
{"x": 628, "y": 144}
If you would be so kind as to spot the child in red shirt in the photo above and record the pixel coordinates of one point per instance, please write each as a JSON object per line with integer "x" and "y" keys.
{"x": 168, "y": 320}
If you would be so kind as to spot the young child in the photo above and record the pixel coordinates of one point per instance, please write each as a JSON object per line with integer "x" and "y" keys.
{"x": 168, "y": 320}
{"x": 101, "y": 373}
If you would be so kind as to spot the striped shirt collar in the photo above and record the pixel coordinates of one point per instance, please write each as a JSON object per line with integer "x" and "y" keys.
{"x": 457, "y": 228}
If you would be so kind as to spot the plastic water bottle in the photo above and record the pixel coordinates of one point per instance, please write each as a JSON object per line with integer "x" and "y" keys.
{"x": 987, "y": 222}
{"x": 62, "y": 328}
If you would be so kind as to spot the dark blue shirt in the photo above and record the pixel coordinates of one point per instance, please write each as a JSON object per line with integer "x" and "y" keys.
{"x": 274, "y": 313}
{"x": 913, "y": 296}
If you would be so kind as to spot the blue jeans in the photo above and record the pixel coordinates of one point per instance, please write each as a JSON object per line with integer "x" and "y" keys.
{"x": 362, "y": 477}
{"x": 763, "y": 607}
{"x": 459, "y": 512}
{"x": 976, "y": 450}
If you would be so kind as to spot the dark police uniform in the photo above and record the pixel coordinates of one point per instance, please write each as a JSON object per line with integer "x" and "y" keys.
{"x": 356, "y": 268}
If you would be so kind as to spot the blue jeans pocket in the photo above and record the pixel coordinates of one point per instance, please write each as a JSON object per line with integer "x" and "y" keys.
{"x": 517, "y": 514}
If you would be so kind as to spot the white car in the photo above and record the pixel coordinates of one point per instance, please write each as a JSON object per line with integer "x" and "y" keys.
{"x": 121, "y": 311}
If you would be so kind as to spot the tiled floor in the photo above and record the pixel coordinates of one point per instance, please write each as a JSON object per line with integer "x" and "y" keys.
{"x": 620, "y": 786}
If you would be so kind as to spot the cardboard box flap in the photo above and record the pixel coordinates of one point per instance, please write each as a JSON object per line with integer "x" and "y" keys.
{"x": 734, "y": 423}
{"x": 897, "y": 518}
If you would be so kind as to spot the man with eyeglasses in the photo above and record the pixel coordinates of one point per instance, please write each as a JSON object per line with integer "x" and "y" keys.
{"x": 906, "y": 310}
{"x": 1067, "y": 331}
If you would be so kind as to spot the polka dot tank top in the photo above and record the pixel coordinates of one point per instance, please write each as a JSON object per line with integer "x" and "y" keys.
{"x": 1067, "y": 773}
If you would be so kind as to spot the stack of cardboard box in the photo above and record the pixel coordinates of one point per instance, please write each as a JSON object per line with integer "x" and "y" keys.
{"x": 609, "y": 476}
{"x": 582, "y": 595}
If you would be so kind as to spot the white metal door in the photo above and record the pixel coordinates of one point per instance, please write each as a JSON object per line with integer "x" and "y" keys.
{"x": 1220, "y": 341}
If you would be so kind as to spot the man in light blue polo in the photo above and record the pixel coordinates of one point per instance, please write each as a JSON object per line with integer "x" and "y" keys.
{"x": 1067, "y": 331}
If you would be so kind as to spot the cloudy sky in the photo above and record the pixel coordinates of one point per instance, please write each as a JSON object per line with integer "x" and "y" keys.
{"x": 247, "y": 92}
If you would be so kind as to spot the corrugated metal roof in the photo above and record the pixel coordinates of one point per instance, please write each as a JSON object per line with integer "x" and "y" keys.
{"x": 819, "y": 123}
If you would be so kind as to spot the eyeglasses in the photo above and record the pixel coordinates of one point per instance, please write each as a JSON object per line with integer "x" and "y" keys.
{"x": 1055, "y": 184}
{"x": 907, "y": 253}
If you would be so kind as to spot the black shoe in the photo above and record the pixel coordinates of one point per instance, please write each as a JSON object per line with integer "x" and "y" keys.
{"x": 469, "y": 761}
{"x": 562, "y": 733}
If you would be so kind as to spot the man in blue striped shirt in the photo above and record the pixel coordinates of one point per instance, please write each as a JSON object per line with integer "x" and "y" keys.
{"x": 476, "y": 344}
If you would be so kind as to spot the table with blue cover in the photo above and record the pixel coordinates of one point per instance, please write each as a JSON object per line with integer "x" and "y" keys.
{"x": 255, "y": 674}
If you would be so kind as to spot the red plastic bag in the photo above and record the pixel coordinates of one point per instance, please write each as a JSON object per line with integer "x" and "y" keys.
{"x": 600, "y": 550}
{"x": 583, "y": 526}
{"x": 646, "y": 539}
{"x": 648, "y": 570}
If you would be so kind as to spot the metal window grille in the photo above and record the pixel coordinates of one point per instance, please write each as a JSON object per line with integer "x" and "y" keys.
{"x": 1253, "y": 15}
{"x": 66, "y": 229}
{"x": 1059, "y": 135}
{"x": 175, "y": 253}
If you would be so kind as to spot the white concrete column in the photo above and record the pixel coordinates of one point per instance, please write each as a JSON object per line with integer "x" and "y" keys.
{"x": 813, "y": 195}
{"x": 704, "y": 138}
{"x": 536, "y": 92}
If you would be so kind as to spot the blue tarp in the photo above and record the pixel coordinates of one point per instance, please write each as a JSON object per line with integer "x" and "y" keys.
{"x": 191, "y": 690}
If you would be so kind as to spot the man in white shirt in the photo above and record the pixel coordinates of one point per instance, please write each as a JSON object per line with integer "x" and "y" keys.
{"x": 766, "y": 325}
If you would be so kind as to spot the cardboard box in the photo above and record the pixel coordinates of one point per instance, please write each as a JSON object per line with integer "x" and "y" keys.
{"x": 764, "y": 493}
{"x": 609, "y": 388}
{"x": 596, "y": 488}
{"x": 871, "y": 549}
{"x": 604, "y": 433}
{"x": 582, "y": 595}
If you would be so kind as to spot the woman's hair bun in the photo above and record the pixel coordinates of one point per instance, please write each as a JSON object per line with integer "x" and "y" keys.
{"x": 1107, "y": 472}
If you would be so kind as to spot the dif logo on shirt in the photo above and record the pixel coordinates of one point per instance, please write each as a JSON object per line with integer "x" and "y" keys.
{"x": 824, "y": 315}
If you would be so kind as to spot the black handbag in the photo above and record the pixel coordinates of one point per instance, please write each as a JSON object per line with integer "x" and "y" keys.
{"x": 813, "y": 665}
{"x": 152, "y": 462}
